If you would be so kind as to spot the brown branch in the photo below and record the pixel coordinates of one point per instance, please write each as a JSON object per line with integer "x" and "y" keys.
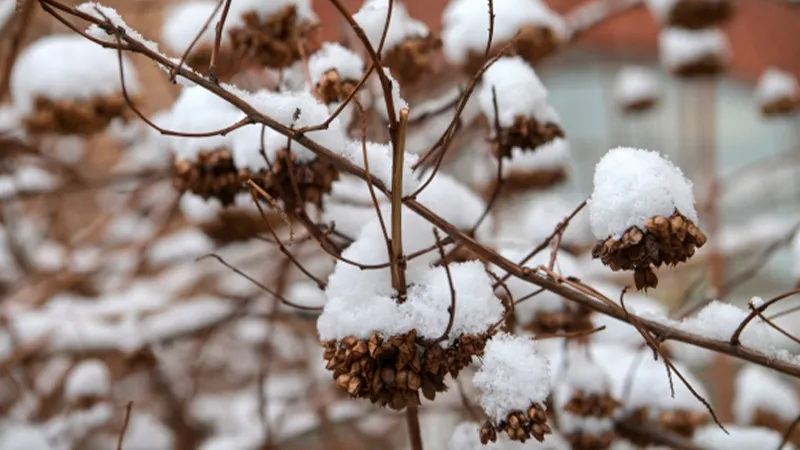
{"x": 173, "y": 72}
{"x": 25, "y": 16}
{"x": 398, "y": 155}
{"x": 734, "y": 340}
{"x": 655, "y": 434}
{"x": 500, "y": 180}
{"x": 124, "y": 425}
{"x": 788, "y": 433}
{"x": 212, "y": 64}
{"x": 260, "y": 285}
{"x": 452, "y": 309}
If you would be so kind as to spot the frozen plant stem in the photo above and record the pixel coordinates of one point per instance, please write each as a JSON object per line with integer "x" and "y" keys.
{"x": 398, "y": 265}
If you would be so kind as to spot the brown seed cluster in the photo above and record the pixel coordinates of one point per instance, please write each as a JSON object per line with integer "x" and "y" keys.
{"x": 532, "y": 43}
{"x": 412, "y": 58}
{"x": 239, "y": 224}
{"x": 707, "y": 66}
{"x": 392, "y": 371}
{"x": 75, "y": 117}
{"x": 312, "y": 180}
{"x": 683, "y": 422}
{"x": 666, "y": 240}
{"x": 519, "y": 426}
{"x": 699, "y": 14}
{"x": 519, "y": 182}
{"x": 214, "y": 174}
{"x": 572, "y": 319}
{"x": 767, "y": 419}
{"x": 782, "y": 106}
{"x": 639, "y": 106}
{"x": 591, "y": 405}
{"x": 526, "y": 133}
{"x": 332, "y": 89}
{"x": 275, "y": 42}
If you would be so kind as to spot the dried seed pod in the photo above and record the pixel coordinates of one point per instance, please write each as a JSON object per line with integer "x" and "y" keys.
{"x": 526, "y": 133}
{"x": 275, "y": 41}
{"x": 333, "y": 89}
{"x": 519, "y": 425}
{"x": 683, "y": 422}
{"x": 313, "y": 180}
{"x": 412, "y": 58}
{"x": 76, "y": 117}
{"x": 532, "y": 43}
{"x": 213, "y": 174}
{"x": 699, "y": 14}
{"x": 667, "y": 240}
{"x": 397, "y": 368}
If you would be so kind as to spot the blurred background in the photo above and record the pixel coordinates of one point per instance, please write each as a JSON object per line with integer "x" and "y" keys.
{"x": 756, "y": 164}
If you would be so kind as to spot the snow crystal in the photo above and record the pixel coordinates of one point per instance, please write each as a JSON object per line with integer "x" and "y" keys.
{"x": 198, "y": 209}
{"x": 303, "y": 8}
{"x": 453, "y": 200}
{"x": 89, "y": 378}
{"x": 738, "y": 438}
{"x": 349, "y": 219}
{"x": 466, "y": 437}
{"x": 513, "y": 376}
{"x": 47, "y": 68}
{"x": 775, "y": 84}
{"x": 305, "y": 294}
{"x": 346, "y": 62}
{"x": 22, "y": 437}
{"x": 466, "y": 24}
{"x": 553, "y": 155}
{"x": 397, "y": 100}
{"x": 678, "y": 46}
{"x": 184, "y": 21}
{"x": 146, "y": 432}
{"x": 294, "y": 110}
{"x": 517, "y": 89}
{"x": 636, "y": 84}
{"x": 184, "y": 244}
{"x": 197, "y": 110}
{"x": 631, "y": 186}
{"x": 372, "y": 18}
{"x": 758, "y": 388}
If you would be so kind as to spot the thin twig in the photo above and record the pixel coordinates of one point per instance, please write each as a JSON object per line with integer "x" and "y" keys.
{"x": 174, "y": 71}
{"x": 124, "y": 425}
{"x": 212, "y": 64}
{"x": 734, "y": 340}
{"x": 452, "y": 309}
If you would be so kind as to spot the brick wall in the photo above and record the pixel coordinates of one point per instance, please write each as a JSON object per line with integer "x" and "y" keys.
{"x": 763, "y": 33}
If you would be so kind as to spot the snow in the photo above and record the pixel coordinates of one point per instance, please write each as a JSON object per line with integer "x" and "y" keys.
{"x": 775, "y": 84}
{"x": 304, "y": 9}
{"x": 346, "y": 62}
{"x": 184, "y": 21}
{"x": 146, "y": 432}
{"x": 466, "y": 437}
{"x": 128, "y": 228}
{"x": 513, "y": 376}
{"x": 372, "y": 18}
{"x": 738, "y": 438}
{"x": 47, "y": 68}
{"x": 660, "y": 9}
{"x": 185, "y": 317}
{"x": 636, "y": 84}
{"x": 466, "y": 24}
{"x": 397, "y": 100}
{"x": 181, "y": 245}
{"x": 293, "y": 110}
{"x": 454, "y": 201}
{"x": 518, "y": 91}
{"x": 553, "y": 155}
{"x": 679, "y": 47}
{"x": 631, "y": 186}
{"x": 541, "y": 213}
{"x": 197, "y": 110}
{"x": 379, "y": 158}
{"x": 359, "y": 305}
{"x": 198, "y": 209}
{"x": 89, "y": 378}
{"x": 105, "y": 13}
{"x": 23, "y": 437}
{"x": 758, "y": 388}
